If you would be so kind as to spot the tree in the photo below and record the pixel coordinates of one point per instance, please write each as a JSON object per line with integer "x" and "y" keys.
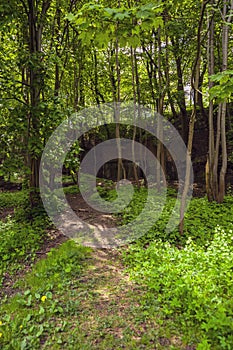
{"x": 195, "y": 84}
{"x": 215, "y": 180}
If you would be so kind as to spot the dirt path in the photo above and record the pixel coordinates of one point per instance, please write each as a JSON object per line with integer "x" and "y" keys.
{"x": 110, "y": 308}
{"x": 110, "y": 312}
{"x": 112, "y": 315}
{"x": 54, "y": 238}
{"x": 88, "y": 214}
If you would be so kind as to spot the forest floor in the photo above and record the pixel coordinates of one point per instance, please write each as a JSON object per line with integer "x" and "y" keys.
{"x": 109, "y": 314}
{"x": 56, "y": 294}
{"x": 89, "y": 214}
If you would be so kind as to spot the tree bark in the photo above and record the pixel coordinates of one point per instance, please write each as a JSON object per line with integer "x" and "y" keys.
{"x": 216, "y": 180}
{"x": 136, "y": 94}
{"x": 195, "y": 84}
{"x": 120, "y": 166}
{"x": 210, "y": 157}
{"x": 180, "y": 91}
{"x": 35, "y": 26}
{"x": 225, "y": 40}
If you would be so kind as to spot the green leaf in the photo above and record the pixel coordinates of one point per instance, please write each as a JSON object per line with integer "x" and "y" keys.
{"x": 150, "y": 7}
{"x": 121, "y": 16}
{"x": 109, "y": 11}
{"x": 136, "y": 30}
{"x": 102, "y": 39}
{"x": 158, "y": 22}
{"x": 134, "y": 41}
{"x": 80, "y": 20}
{"x": 71, "y": 17}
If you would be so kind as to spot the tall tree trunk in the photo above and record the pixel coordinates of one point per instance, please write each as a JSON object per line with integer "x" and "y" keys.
{"x": 35, "y": 25}
{"x": 98, "y": 95}
{"x": 195, "y": 84}
{"x": 216, "y": 155}
{"x": 57, "y": 70}
{"x": 168, "y": 81}
{"x": 181, "y": 100}
{"x": 210, "y": 156}
{"x": 79, "y": 98}
{"x": 200, "y": 95}
{"x": 160, "y": 148}
{"x": 180, "y": 91}
{"x": 120, "y": 166}
{"x": 216, "y": 180}
{"x": 135, "y": 95}
{"x": 225, "y": 40}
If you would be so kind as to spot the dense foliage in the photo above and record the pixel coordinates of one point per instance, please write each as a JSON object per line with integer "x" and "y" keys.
{"x": 59, "y": 57}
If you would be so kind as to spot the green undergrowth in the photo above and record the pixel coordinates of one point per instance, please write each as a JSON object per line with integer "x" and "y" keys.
{"x": 13, "y": 199}
{"x": 104, "y": 187}
{"x": 38, "y": 314}
{"x": 192, "y": 286}
{"x": 187, "y": 281}
{"x": 71, "y": 189}
{"x": 200, "y": 218}
{"x": 19, "y": 243}
{"x": 189, "y": 278}
{"x": 21, "y": 235}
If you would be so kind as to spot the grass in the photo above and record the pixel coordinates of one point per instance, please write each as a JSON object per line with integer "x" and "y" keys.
{"x": 192, "y": 286}
{"x": 189, "y": 278}
{"x": 161, "y": 292}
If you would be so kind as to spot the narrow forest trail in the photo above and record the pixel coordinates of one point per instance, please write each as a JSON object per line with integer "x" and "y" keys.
{"x": 110, "y": 300}
{"x": 112, "y": 315}
{"x": 102, "y": 308}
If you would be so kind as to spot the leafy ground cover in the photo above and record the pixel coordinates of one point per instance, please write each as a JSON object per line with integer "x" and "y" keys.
{"x": 21, "y": 237}
{"x": 12, "y": 199}
{"x": 81, "y": 299}
{"x": 189, "y": 278}
{"x": 192, "y": 285}
{"x": 162, "y": 292}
